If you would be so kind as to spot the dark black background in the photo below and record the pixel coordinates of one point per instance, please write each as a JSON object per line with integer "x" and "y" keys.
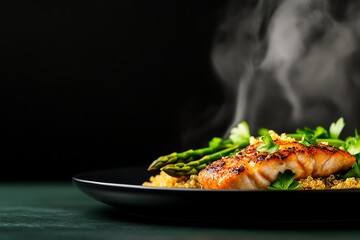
{"x": 87, "y": 85}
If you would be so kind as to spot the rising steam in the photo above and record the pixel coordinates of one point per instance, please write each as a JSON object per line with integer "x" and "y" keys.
{"x": 289, "y": 63}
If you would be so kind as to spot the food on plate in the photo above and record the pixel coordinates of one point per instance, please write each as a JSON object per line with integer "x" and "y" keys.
{"x": 164, "y": 180}
{"x": 307, "y": 159}
{"x": 254, "y": 169}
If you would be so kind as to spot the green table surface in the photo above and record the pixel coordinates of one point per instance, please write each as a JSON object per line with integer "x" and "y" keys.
{"x": 58, "y": 210}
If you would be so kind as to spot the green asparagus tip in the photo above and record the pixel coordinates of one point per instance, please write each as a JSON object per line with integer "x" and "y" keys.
{"x": 179, "y": 169}
{"x": 160, "y": 162}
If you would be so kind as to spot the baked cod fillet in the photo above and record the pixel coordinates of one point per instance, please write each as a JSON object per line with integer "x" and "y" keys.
{"x": 251, "y": 169}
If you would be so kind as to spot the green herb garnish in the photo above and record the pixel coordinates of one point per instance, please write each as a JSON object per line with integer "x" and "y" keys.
{"x": 308, "y": 140}
{"x": 285, "y": 181}
{"x": 336, "y": 128}
{"x": 268, "y": 144}
{"x": 240, "y": 133}
{"x": 352, "y": 145}
{"x": 263, "y": 131}
{"x": 308, "y": 136}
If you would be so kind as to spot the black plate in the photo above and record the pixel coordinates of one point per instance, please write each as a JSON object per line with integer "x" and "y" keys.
{"x": 121, "y": 188}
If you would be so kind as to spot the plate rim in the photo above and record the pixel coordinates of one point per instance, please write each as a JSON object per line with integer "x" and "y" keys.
{"x": 147, "y": 202}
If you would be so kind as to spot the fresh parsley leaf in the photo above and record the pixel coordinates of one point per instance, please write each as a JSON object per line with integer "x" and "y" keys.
{"x": 285, "y": 181}
{"x": 354, "y": 149}
{"x": 352, "y": 144}
{"x": 268, "y": 144}
{"x": 318, "y": 132}
{"x": 240, "y": 133}
{"x": 262, "y": 131}
{"x": 336, "y": 128}
{"x": 216, "y": 142}
{"x": 321, "y": 132}
{"x": 308, "y": 140}
{"x": 309, "y": 135}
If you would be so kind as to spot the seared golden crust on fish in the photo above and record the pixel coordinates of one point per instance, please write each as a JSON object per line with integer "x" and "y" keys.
{"x": 251, "y": 169}
{"x": 330, "y": 160}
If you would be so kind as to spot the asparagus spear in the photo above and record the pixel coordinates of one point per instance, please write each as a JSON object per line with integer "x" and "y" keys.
{"x": 193, "y": 167}
{"x": 188, "y": 155}
{"x": 239, "y": 136}
{"x": 330, "y": 141}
